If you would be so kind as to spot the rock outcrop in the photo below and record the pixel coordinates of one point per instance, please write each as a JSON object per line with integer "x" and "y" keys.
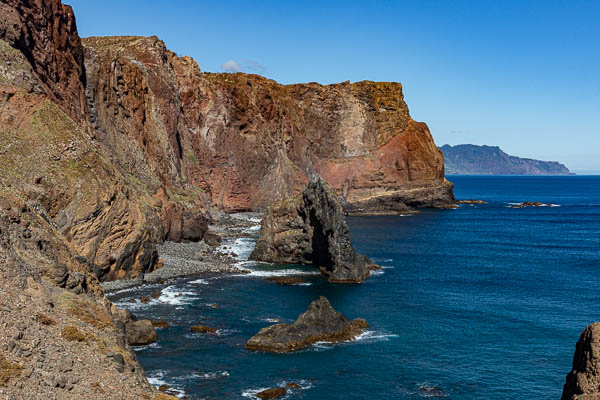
{"x": 583, "y": 382}
{"x": 470, "y": 159}
{"x": 140, "y": 332}
{"x": 310, "y": 229}
{"x": 320, "y": 323}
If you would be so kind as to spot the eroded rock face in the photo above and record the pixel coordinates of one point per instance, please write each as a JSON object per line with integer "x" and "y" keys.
{"x": 320, "y": 323}
{"x": 310, "y": 229}
{"x": 583, "y": 382}
{"x": 241, "y": 141}
{"x": 45, "y": 32}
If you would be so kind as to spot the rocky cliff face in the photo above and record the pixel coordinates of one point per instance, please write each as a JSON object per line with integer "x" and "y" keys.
{"x": 583, "y": 382}
{"x": 310, "y": 228}
{"x": 241, "y": 141}
{"x": 470, "y": 159}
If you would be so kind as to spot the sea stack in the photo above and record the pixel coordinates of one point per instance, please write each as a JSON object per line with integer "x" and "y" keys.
{"x": 310, "y": 229}
{"x": 320, "y": 323}
{"x": 583, "y": 382}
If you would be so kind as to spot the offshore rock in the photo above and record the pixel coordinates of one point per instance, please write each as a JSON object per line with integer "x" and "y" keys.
{"x": 273, "y": 393}
{"x": 583, "y": 382}
{"x": 310, "y": 229}
{"x": 320, "y": 323}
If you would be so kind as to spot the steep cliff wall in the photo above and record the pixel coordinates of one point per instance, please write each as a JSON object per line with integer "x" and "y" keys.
{"x": 242, "y": 141}
{"x": 583, "y": 382}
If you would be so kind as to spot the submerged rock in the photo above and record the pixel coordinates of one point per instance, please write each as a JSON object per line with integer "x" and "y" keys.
{"x": 310, "y": 229}
{"x": 286, "y": 280}
{"x": 583, "y": 382}
{"x": 470, "y": 201}
{"x": 203, "y": 329}
{"x": 320, "y": 323}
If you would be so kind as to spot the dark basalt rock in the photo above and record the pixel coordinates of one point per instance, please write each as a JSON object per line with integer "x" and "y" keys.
{"x": 583, "y": 382}
{"x": 311, "y": 229}
{"x": 320, "y": 323}
{"x": 273, "y": 393}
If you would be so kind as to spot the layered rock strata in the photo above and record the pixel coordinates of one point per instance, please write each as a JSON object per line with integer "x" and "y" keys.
{"x": 240, "y": 141}
{"x": 310, "y": 229}
{"x": 583, "y": 382}
{"x": 319, "y": 323}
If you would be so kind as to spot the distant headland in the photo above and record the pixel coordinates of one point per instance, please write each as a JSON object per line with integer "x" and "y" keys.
{"x": 470, "y": 159}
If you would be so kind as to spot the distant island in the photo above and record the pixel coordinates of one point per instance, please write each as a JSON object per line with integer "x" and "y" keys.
{"x": 470, "y": 159}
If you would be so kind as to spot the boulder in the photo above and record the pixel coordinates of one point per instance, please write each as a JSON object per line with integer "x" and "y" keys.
{"x": 273, "y": 393}
{"x": 310, "y": 229}
{"x": 140, "y": 332}
{"x": 212, "y": 239}
{"x": 320, "y": 323}
{"x": 583, "y": 382}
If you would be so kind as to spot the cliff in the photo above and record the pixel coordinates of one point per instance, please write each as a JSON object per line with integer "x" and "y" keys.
{"x": 469, "y": 159}
{"x": 109, "y": 146}
{"x": 241, "y": 141}
{"x": 583, "y": 382}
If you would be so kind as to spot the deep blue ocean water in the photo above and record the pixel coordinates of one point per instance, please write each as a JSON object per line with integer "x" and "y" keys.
{"x": 481, "y": 302}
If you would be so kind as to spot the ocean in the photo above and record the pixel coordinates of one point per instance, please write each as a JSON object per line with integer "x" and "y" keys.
{"x": 480, "y": 302}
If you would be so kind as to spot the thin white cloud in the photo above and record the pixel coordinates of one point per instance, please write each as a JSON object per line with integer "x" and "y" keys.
{"x": 231, "y": 66}
{"x": 255, "y": 66}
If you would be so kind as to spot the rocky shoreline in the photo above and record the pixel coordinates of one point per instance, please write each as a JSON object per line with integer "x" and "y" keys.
{"x": 199, "y": 258}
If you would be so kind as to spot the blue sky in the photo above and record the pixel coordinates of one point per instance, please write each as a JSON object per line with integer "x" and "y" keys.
{"x": 524, "y": 75}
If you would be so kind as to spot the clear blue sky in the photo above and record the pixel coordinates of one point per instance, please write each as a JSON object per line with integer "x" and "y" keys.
{"x": 524, "y": 75}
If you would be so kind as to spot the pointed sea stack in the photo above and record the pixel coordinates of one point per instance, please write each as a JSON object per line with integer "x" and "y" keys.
{"x": 310, "y": 229}
{"x": 583, "y": 382}
{"x": 320, "y": 323}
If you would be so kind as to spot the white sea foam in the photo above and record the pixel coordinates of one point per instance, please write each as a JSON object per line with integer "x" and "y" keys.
{"x": 388, "y": 267}
{"x": 272, "y": 320}
{"x": 242, "y": 247}
{"x": 304, "y": 385}
{"x": 154, "y": 345}
{"x": 157, "y": 378}
{"x": 251, "y": 393}
{"x": 199, "y": 282}
{"x": 367, "y": 336}
{"x": 225, "y": 332}
{"x": 377, "y": 272}
{"x": 176, "y": 296}
{"x": 264, "y": 273}
{"x": 373, "y": 336}
{"x": 213, "y": 375}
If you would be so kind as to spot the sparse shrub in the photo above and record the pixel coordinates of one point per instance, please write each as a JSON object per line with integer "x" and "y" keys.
{"x": 73, "y": 333}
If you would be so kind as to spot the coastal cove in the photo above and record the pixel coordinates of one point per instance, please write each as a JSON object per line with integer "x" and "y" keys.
{"x": 481, "y": 302}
